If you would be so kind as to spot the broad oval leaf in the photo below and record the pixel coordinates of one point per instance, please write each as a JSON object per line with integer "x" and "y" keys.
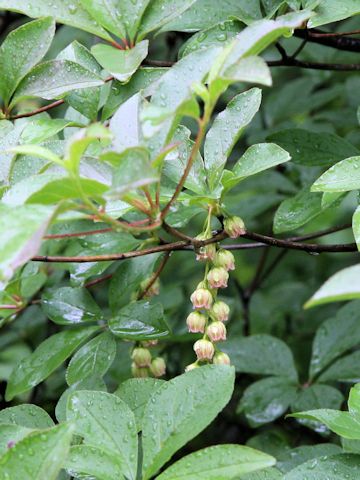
{"x": 26, "y": 415}
{"x": 335, "y": 467}
{"x": 39, "y": 455}
{"x": 106, "y": 422}
{"x": 341, "y": 177}
{"x": 48, "y": 356}
{"x": 93, "y": 359}
{"x": 91, "y": 461}
{"x": 180, "y": 409}
{"x": 70, "y": 306}
{"x": 220, "y": 462}
{"x": 140, "y": 321}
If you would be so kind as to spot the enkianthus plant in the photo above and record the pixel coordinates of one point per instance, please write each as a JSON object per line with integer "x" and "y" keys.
{"x": 210, "y": 313}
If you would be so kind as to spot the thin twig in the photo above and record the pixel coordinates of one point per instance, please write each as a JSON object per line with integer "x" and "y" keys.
{"x": 155, "y": 275}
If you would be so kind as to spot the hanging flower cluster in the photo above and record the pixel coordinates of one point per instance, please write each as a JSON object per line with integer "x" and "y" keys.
{"x": 210, "y": 314}
{"x": 143, "y": 365}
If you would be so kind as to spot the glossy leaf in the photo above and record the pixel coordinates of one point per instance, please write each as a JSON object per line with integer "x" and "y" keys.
{"x": 289, "y": 459}
{"x": 91, "y": 461}
{"x": 17, "y": 55}
{"x": 125, "y": 124}
{"x": 121, "y": 64}
{"x": 313, "y": 148}
{"x": 344, "y": 369}
{"x": 276, "y": 358}
{"x": 136, "y": 392}
{"x": 160, "y": 12}
{"x": 10, "y": 434}
{"x": 335, "y": 336}
{"x": 342, "y": 423}
{"x": 48, "y": 356}
{"x": 69, "y": 13}
{"x": 342, "y": 177}
{"x": 333, "y": 11}
{"x": 51, "y": 447}
{"x": 228, "y": 126}
{"x": 335, "y": 467}
{"x": 21, "y": 235}
{"x": 220, "y": 462}
{"x": 65, "y": 75}
{"x": 180, "y": 409}
{"x": 37, "y": 131}
{"x": 107, "y": 15}
{"x": 267, "y": 399}
{"x": 93, "y": 359}
{"x": 341, "y": 286}
{"x": 70, "y": 306}
{"x": 106, "y": 422}
{"x": 26, "y": 415}
{"x": 140, "y": 321}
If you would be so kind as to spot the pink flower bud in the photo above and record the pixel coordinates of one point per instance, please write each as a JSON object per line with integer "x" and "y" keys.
{"x": 141, "y": 357}
{"x": 218, "y": 277}
{"x": 158, "y": 367}
{"x": 221, "y": 358}
{"x": 204, "y": 349}
{"x": 234, "y": 227}
{"x": 190, "y": 367}
{"x": 220, "y": 311}
{"x": 225, "y": 259}
{"x": 196, "y": 322}
{"x": 216, "y": 331}
{"x": 202, "y": 298}
{"x": 153, "y": 290}
{"x": 149, "y": 343}
{"x": 139, "y": 372}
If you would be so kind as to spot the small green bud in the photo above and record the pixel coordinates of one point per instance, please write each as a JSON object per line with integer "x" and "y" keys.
{"x": 220, "y": 311}
{"x": 225, "y": 259}
{"x": 234, "y": 227}
{"x": 141, "y": 357}
{"x": 192, "y": 366}
{"x": 139, "y": 372}
{"x": 158, "y": 367}
{"x": 221, "y": 358}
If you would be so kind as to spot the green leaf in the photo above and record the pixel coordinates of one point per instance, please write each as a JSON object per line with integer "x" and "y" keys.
{"x": 228, "y": 125}
{"x": 37, "y": 131}
{"x": 65, "y": 75}
{"x": 106, "y": 422}
{"x": 335, "y": 467}
{"x": 249, "y": 69}
{"x": 176, "y": 161}
{"x": 289, "y": 459}
{"x": 276, "y": 358}
{"x": 161, "y": 12}
{"x": 356, "y": 226}
{"x": 313, "y": 148}
{"x": 93, "y": 359}
{"x": 125, "y": 125}
{"x": 69, "y": 13}
{"x": 9, "y": 137}
{"x": 266, "y": 400}
{"x": 67, "y": 306}
{"x": 256, "y": 158}
{"x": 206, "y": 13}
{"x": 333, "y": 11}
{"x": 11, "y": 434}
{"x": 343, "y": 370}
{"x": 341, "y": 286}
{"x": 294, "y": 212}
{"x": 26, "y": 415}
{"x": 85, "y": 461}
{"x": 18, "y": 55}
{"x": 136, "y": 392}
{"x": 106, "y": 13}
{"x": 127, "y": 279}
{"x": 335, "y": 336}
{"x": 220, "y": 462}
{"x": 140, "y": 321}
{"x": 341, "y": 177}
{"x": 21, "y": 232}
{"x": 266, "y": 474}
{"x": 121, "y": 64}
{"x": 342, "y": 423}
{"x": 132, "y": 170}
{"x": 316, "y": 396}
{"x": 39, "y": 455}
{"x": 48, "y": 356}
{"x": 180, "y": 409}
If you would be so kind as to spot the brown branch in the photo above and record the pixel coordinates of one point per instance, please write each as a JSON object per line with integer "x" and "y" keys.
{"x": 293, "y": 62}
{"x": 333, "y": 40}
{"x": 155, "y": 275}
{"x": 96, "y": 281}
